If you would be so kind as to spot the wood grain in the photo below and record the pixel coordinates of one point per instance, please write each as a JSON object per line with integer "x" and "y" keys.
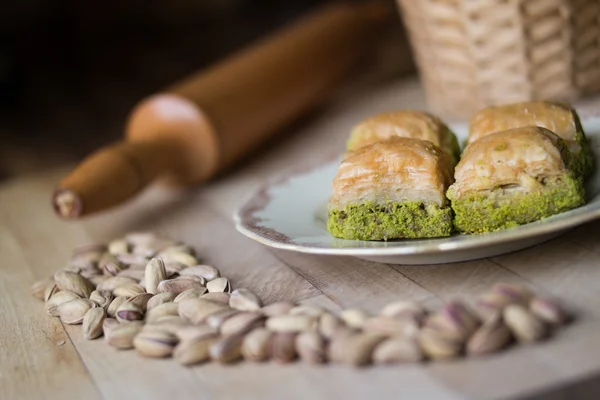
{"x": 37, "y": 358}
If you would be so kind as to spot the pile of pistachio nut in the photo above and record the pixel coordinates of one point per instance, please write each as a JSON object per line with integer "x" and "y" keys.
{"x": 152, "y": 294}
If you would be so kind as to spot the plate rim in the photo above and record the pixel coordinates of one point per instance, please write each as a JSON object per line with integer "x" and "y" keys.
{"x": 587, "y": 213}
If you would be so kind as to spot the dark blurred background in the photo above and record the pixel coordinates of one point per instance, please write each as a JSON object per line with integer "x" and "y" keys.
{"x": 70, "y": 71}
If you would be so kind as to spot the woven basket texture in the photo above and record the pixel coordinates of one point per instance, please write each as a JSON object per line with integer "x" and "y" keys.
{"x": 476, "y": 53}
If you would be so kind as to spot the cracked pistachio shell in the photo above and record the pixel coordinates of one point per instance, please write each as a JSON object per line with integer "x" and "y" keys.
{"x": 257, "y": 344}
{"x": 72, "y": 312}
{"x": 159, "y": 299}
{"x": 155, "y": 343}
{"x": 57, "y": 299}
{"x": 219, "y": 285}
{"x": 208, "y": 272}
{"x": 154, "y": 273}
{"x": 72, "y": 282}
{"x": 311, "y": 347}
{"x": 92, "y": 323}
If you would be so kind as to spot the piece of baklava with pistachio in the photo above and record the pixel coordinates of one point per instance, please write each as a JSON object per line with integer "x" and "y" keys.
{"x": 392, "y": 189}
{"x": 405, "y": 123}
{"x": 559, "y": 118}
{"x": 513, "y": 177}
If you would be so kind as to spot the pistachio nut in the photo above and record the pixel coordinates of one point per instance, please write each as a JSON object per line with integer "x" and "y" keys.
{"x": 310, "y": 311}
{"x": 227, "y": 349}
{"x": 147, "y": 251}
{"x": 114, "y": 305}
{"x": 397, "y": 350}
{"x": 97, "y": 279}
{"x": 141, "y": 300}
{"x": 110, "y": 264}
{"x": 161, "y": 310}
{"x": 292, "y": 323}
{"x": 501, "y": 295}
{"x": 195, "y": 351}
{"x": 404, "y": 309}
{"x": 108, "y": 324}
{"x": 114, "y": 282}
{"x": 244, "y": 300}
{"x": 178, "y": 248}
{"x": 242, "y": 323}
{"x": 257, "y": 344}
{"x": 118, "y": 246}
{"x": 197, "y": 310}
{"x": 195, "y": 332}
{"x": 179, "y": 257}
{"x": 208, "y": 272}
{"x": 217, "y": 297}
{"x": 386, "y": 326}
{"x": 518, "y": 293}
{"x": 524, "y": 325}
{"x": 92, "y": 323}
{"x": 102, "y": 298}
{"x": 455, "y": 319}
{"x": 329, "y": 324}
{"x": 132, "y": 259}
{"x": 311, "y": 347}
{"x": 159, "y": 299}
{"x": 439, "y": 344}
{"x": 154, "y": 274}
{"x": 190, "y": 294}
{"x": 548, "y": 310}
{"x": 129, "y": 312}
{"x": 276, "y": 309}
{"x": 283, "y": 347}
{"x": 57, "y": 299}
{"x": 72, "y": 282}
{"x": 353, "y": 349}
{"x": 121, "y": 336}
{"x": 90, "y": 272}
{"x": 50, "y": 290}
{"x": 129, "y": 290}
{"x": 155, "y": 343}
{"x": 217, "y": 319}
{"x": 72, "y": 312}
{"x": 173, "y": 268}
{"x": 169, "y": 323}
{"x": 354, "y": 317}
{"x": 136, "y": 274}
{"x": 219, "y": 285}
{"x": 179, "y": 285}
{"x": 492, "y": 336}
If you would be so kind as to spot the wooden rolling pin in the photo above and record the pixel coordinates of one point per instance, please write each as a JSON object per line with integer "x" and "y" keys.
{"x": 202, "y": 125}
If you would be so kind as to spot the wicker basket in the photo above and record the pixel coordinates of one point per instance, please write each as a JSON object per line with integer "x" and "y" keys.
{"x": 475, "y": 53}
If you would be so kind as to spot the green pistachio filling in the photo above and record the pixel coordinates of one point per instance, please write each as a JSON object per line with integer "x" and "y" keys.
{"x": 582, "y": 163}
{"x": 499, "y": 209}
{"x": 392, "y": 220}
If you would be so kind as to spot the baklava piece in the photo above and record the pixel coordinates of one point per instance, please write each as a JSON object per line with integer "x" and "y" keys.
{"x": 392, "y": 189}
{"x": 556, "y": 117}
{"x": 511, "y": 178}
{"x": 408, "y": 124}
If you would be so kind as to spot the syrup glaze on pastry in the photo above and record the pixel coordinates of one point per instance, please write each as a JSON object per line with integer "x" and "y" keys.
{"x": 559, "y": 118}
{"x": 408, "y": 124}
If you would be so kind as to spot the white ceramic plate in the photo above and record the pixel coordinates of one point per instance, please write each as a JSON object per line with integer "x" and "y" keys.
{"x": 291, "y": 214}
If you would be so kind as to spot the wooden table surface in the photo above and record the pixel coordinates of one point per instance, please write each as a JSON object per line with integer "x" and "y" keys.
{"x": 41, "y": 358}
